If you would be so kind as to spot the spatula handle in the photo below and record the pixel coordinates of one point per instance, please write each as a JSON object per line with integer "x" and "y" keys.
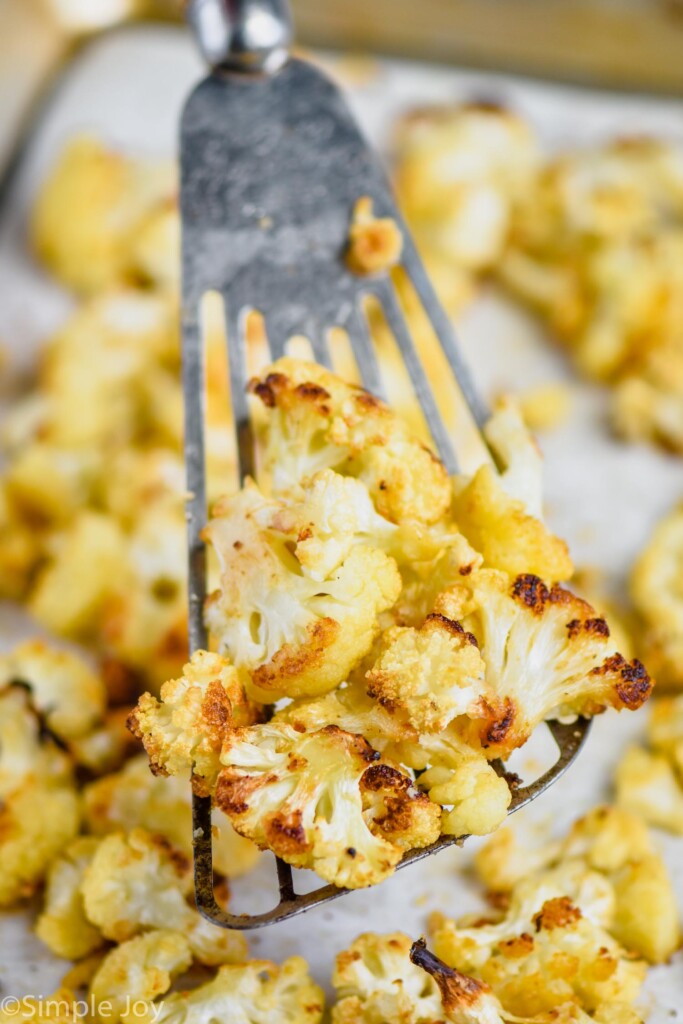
{"x": 243, "y": 35}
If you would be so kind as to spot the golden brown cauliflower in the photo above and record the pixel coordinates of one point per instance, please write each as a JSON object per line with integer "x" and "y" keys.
{"x": 317, "y": 421}
{"x": 63, "y": 925}
{"x": 37, "y": 821}
{"x": 66, "y": 693}
{"x": 433, "y": 674}
{"x": 649, "y": 784}
{"x": 610, "y": 849}
{"x": 137, "y": 972}
{"x": 134, "y": 797}
{"x": 657, "y": 594}
{"x": 298, "y": 605}
{"x": 388, "y": 979}
{"x": 501, "y": 514}
{"x": 374, "y": 243}
{"x": 545, "y": 651}
{"x": 542, "y": 952}
{"x": 323, "y": 800}
{"x": 596, "y": 249}
{"x": 184, "y": 729}
{"x": 251, "y": 993}
{"x": 137, "y": 881}
{"x": 459, "y": 170}
{"x": 90, "y": 208}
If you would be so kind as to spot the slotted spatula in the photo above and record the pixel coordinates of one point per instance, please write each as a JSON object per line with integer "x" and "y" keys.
{"x": 272, "y": 164}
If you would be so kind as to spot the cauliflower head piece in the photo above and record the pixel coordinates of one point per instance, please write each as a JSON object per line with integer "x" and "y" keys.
{"x": 26, "y": 754}
{"x": 36, "y": 822}
{"x": 137, "y": 972}
{"x": 500, "y": 514}
{"x": 611, "y": 847}
{"x": 323, "y": 800}
{"x": 433, "y": 673}
{"x": 137, "y": 882}
{"x": 317, "y": 421}
{"x": 543, "y": 952}
{"x": 297, "y": 604}
{"x": 388, "y": 979}
{"x": 63, "y": 925}
{"x": 255, "y": 992}
{"x": 657, "y": 594}
{"x": 90, "y": 208}
{"x": 184, "y": 729}
{"x": 545, "y": 652}
{"x": 67, "y": 694}
{"x": 135, "y": 798}
{"x": 648, "y": 784}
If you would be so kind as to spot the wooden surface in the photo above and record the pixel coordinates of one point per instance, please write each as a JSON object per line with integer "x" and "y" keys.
{"x": 619, "y": 43}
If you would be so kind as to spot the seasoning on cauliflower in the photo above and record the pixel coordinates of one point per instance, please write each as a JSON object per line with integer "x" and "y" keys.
{"x": 134, "y": 797}
{"x": 545, "y": 652}
{"x": 375, "y": 243}
{"x": 67, "y": 694}
{"x": 433, "y": 673}
{"x": 137, "y": 881}
{"x": 501, "y": 514}
{"x": 381, "y": 979}
{"x": 317, "y": 421}
{"x": 184, "y": 729}
{"x": 90, "y": 208}
{"x": 658, "y": 598}
{"x": 608, "y": 847}
{"x": 297, "y": 605}
{"x": 137, "y": 972}
{"x": 63, "y": 925}
{"x": 323, "y": 800}
{"x": 36, "y": 823}
{"x": 250, "y": 993}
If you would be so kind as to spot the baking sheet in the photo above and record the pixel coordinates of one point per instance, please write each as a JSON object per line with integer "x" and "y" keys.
{"x": 602, "y": 496}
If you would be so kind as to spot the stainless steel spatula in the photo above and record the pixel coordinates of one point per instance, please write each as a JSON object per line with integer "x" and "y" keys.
{"x": 272, "y": 164}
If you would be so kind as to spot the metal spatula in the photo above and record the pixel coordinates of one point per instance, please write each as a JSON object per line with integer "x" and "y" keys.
{"x": 272, "y": 164}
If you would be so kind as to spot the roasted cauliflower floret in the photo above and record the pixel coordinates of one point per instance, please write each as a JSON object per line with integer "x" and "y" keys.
{"x": 657, "y": 593}
{"x": 66, "y": 693}
{"x": 315, "y": 420}
{"x": 665, "y": 729}
{"x": 544, "y": 952}
{"x": 433, "y": 673}
{"x": 381, "y": 979}
{"x": 375, "y": 243}
{"x": 298, "y": 629}
{"x": 26, "y": 755}
{"x": 36, "y": 823}
{"x": 251, "y": 993}
{"x": 134, "y": 797}
{"x": 545, "y": 653}
{"x": 89, "y": 209}
{"x": 139, "y": 971}
{"x": 138, "y": 881}
{"x": 323, "y": 800}
{"x": 611, "y": 847}
{"x": 63, "y": 925}
{"x": 184, "y": 729}
{"x": 501, "y": 514}
{"x": 459, "y": 170}
{"x": 457, "y": 776}
{"x": 648, "y": 784}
